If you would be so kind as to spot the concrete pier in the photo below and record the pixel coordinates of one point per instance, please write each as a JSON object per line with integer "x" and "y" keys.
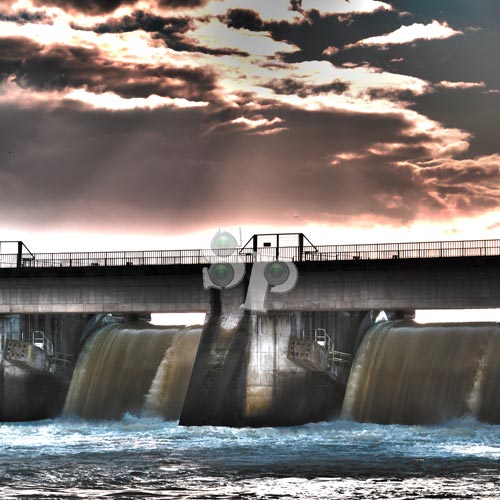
{"x": 37, "y": 355}
{"x": 243, "y": 375}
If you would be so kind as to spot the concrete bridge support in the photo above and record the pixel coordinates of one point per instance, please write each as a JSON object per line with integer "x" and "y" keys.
{"x": 37, "y": 355}
{"x": 243, "y": 375}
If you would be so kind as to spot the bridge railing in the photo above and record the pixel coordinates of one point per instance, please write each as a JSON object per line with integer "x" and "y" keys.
{"x": 376, "y": 251}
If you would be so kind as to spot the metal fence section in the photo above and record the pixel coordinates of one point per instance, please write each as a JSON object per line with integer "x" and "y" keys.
{"x": 324, "y": 253}
{"x": 323, "y": 339}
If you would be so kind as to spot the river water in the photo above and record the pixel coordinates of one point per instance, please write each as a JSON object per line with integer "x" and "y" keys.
{"x": 135, "y": 458}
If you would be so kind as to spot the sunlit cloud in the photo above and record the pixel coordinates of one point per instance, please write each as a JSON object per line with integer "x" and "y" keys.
{"x": 11, "y": 93}
{"x": 343, "y": 7}
{"x": 256, "y": 123}
{"x": 113, "y": 102}
{"x": 217, "y": 35}
{"x": 461, "y": 85}
{"x": 412, "y": 33}
{"x": 268, "y": 10}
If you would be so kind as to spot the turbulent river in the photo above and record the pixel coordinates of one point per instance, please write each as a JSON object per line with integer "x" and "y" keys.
{"x": 136, "y": 458}
{"x": 443, "y": 377}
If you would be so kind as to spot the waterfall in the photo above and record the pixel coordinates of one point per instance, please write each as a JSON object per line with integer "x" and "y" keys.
{"x": 135, "y": 368}
{"x": 408, "y": 373}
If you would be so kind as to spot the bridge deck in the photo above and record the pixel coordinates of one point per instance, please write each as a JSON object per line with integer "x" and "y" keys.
{"x": 457, "y": 274}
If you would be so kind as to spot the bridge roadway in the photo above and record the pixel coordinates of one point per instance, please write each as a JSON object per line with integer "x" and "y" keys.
{"x": 438, "y": 275}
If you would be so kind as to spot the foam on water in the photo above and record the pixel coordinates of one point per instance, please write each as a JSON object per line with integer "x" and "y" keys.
{"x": 149, "y": 458}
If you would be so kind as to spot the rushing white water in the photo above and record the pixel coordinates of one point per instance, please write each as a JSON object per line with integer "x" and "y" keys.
{"x": 150, "y": 458}
{"x": 399, "y": 368}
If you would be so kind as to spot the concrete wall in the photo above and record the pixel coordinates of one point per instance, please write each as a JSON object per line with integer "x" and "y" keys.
{"x": 242, "y": 375}
{"x": 469, "y": 282}
{"x": 92, "y": 294}
{"x": 396, "y": 284}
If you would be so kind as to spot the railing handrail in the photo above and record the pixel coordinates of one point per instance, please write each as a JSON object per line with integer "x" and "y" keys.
{"x": 358, "y": 251}
{"x": 39, "y": 337}
{"x": 323, "y": 339}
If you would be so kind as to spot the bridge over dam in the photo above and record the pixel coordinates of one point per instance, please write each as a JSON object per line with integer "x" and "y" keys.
{"x": 433, "y": 275}
{"x": 269, "y": 359}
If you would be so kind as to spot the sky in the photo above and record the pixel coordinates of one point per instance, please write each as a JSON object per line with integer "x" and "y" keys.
{"x": 148, "y": 124}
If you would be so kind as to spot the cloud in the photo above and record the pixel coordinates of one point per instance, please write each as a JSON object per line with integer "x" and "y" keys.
{"x": 181, "y": 115}
{"x": 99, "y": 7}
{"x": 170, "y": 30}
{"x": 177, "y": 4}
{"x": 464, "y": 186}
{"x": 408, "y": 34}
{"x": 344, "y": 7}
{"x": 461, "y": 85}
{"x": 321, "y": 163}
{"x": 23, "y": 17}
{"x": 268, "y": 11}
{"x": 58, "y": 67}
{"x": 216, "y": 35}
{"x": 290, "y": 86}
{"x": 88, "y": 7}
{"x": 244, "y": 18}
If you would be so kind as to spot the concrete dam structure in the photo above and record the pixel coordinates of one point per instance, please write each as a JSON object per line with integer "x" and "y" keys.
{"x": 262, "y": 370}
{"x": 309, "y": 353}
{"x": 402, "y": 373}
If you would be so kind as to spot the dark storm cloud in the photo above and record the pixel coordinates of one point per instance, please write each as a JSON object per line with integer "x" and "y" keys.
{"x": 60, "y": 66}
{"x": 187, "y": 177}
{"x": 24, "y": 17}
{"x": 323, "y": 31}
{"x": 186, "y": 169}
{"x": 182, "y": 3}
{"x": 146, "y": 21}
{"x": 138, "y": 166}
{"x": 168, "y": 29}
{"x": 289, "y": 86}
{"x": 107, "y": 6}
{"x": 243, "y": 18}
{"x": 296, "y": 5}
{"x": 87, "y": 7}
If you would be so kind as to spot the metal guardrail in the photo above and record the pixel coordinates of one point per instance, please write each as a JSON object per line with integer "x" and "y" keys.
{"x": 323, "y": 339}
{"x": 40, "y": 340}
{"x": 377, "y": 251}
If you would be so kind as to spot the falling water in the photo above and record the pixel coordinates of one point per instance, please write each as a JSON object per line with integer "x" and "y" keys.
{"x": 133, "y": 368}
{"x": 408, "y": 373}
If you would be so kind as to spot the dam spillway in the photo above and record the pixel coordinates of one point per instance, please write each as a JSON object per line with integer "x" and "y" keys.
{"x": 407, "y": 373}
{"x": 403, "y": 373}
{"x": 133, "y": 368}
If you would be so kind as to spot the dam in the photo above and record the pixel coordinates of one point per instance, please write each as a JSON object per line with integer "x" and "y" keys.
{"x": 340, "y": 342}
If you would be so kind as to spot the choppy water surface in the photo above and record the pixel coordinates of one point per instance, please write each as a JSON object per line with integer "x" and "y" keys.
{"x": 150, "y": 458}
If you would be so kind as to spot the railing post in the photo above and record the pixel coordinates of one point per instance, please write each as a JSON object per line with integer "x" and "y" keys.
{"x": 301, "y": 246}
{"x": 19, "y": 253}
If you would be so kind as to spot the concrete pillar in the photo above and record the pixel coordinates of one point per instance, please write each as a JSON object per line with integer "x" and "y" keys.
{"x": 242, "y": 375}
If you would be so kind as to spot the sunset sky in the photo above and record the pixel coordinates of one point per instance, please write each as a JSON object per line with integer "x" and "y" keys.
{"x": 150, "y": 124}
